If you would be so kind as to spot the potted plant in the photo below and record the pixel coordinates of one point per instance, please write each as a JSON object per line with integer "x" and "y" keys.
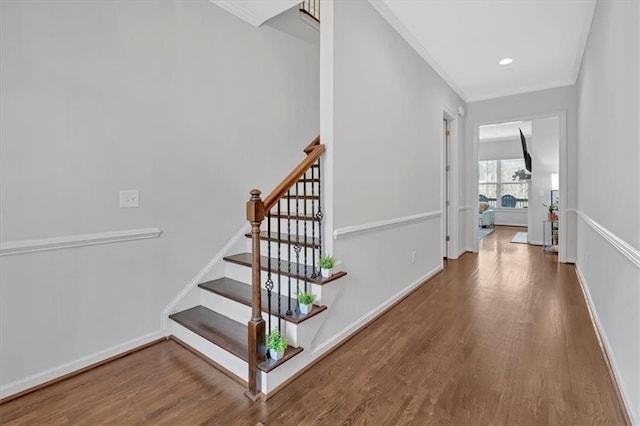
{"x": 305, "y": 300}
{"x": 326, "y": 265}
{"x": 521, "y": 175}
{"x": 277, "y": 344}
{"x": 553, "y": 217}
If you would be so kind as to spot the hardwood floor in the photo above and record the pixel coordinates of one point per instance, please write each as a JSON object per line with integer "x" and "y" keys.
{"x": 502, "y": 337}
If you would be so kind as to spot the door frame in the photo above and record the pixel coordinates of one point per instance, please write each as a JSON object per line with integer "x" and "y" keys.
{"x": 563, "y": 170}
{"x": 449, "y": 215}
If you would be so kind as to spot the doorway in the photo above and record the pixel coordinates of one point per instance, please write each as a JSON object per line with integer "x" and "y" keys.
{"x": 518, "y": 192}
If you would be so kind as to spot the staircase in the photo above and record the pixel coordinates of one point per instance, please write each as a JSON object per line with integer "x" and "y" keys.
{"x": 260, "y": 285}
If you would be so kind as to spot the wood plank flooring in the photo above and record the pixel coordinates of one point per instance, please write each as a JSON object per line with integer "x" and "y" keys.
{"x": 502, "y": 337}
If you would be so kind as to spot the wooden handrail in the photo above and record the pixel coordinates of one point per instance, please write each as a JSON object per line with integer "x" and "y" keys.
{"x": 312, "y": 145}
{"x": 293, "y": 177}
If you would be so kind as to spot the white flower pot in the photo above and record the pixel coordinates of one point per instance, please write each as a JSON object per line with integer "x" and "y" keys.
{"x": 276, "y": 355}
{"x": 305, "y": 309}
{"x": 326, "y": 273}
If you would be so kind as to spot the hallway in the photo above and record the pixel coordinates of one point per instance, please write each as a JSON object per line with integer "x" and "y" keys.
{"x": 503, "y": 337}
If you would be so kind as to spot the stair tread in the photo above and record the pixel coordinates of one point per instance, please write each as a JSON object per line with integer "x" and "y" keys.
{"x": 284, "y": 238}
{"x": 242, "y": 293}
{"x": 245, "y": 259}
{"x": 269, "y": 364}
{"x": 226, "y": 333}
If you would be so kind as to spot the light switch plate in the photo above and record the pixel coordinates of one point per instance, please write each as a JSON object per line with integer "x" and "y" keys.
{"x": 129, "y": 198}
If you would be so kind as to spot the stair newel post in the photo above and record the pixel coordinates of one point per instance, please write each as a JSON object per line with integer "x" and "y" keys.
{"x": 256, "y": 326}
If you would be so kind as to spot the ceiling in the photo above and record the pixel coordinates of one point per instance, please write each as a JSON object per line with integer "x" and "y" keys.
{"x": 464, "y": 40}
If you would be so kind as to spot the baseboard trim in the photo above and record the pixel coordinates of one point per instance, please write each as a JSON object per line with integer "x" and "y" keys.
{"x": 55, "y": 375}
{"x": 605, "y": 347}
{"x": 164, "y": 318}
{"x": 464, "y": 251}
{"x": 9, "y": 248}
{"x": 357, "y": 327}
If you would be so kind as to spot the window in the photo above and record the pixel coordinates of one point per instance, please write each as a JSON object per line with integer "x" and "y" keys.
{"x": 497, "y": 180}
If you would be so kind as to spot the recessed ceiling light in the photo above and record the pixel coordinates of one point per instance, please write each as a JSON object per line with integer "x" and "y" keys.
{"x": 505, "y": 61}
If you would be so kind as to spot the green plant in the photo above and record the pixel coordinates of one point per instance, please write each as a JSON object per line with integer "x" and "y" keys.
{"x": 306, "y": 298}
{"x": 551, "y": 207}
{"x": 276, "y": 341}
{"x": 326, "y": 262}
{"x": 521, "y": 174}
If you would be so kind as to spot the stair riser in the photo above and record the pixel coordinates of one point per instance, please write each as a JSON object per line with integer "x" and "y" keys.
{"x": 212, "y": 351}
{"x": 242, "y": 313}
{"x": 284, "y": 252}
{"x": 243, "y": 273}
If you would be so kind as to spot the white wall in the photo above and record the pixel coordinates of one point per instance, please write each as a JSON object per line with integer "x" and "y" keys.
{"x": 531, "y": 105}
{"x": 386, "y": 155}
{"x": 545, "y": 156}
{"x": 180, "y": 100}
{"x": 609, "y": 187}
{"x": 500, "y": 149}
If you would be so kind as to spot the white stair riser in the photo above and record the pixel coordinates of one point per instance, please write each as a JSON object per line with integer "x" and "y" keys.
{"x": 212, "y": 351}
{"x": 242, "y": 313}
{"x": 243, "y": 274}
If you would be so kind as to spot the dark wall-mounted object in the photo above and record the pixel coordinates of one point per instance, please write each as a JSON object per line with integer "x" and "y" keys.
{"x": 525, "y": 153}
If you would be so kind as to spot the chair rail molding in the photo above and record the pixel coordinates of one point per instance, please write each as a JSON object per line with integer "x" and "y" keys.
{"x": 387, "y": 223}
{"x": 8, "y": 248}
{"x": 630, "y": 252}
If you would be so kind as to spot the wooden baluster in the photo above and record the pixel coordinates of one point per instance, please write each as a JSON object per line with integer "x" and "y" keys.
{"x": 256, "y": 326}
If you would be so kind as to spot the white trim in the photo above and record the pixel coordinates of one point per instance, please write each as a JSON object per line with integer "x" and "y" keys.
{"x": 630, "y": 252}
{"x": 450, "y": 217}
{"x": 388, "y": 223}
{"x": 571, "y": 260}
{"x": 164, "y": 318}
{"x": 56, "y": 243}
{"x": 515, "y": 225}
{"x": 70, "y": 367}
{"x": 606, "y": 345}
{"x": 364, "y": 319}
{"x": 413, "y": 41}
{"x": 461, "y": 208}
